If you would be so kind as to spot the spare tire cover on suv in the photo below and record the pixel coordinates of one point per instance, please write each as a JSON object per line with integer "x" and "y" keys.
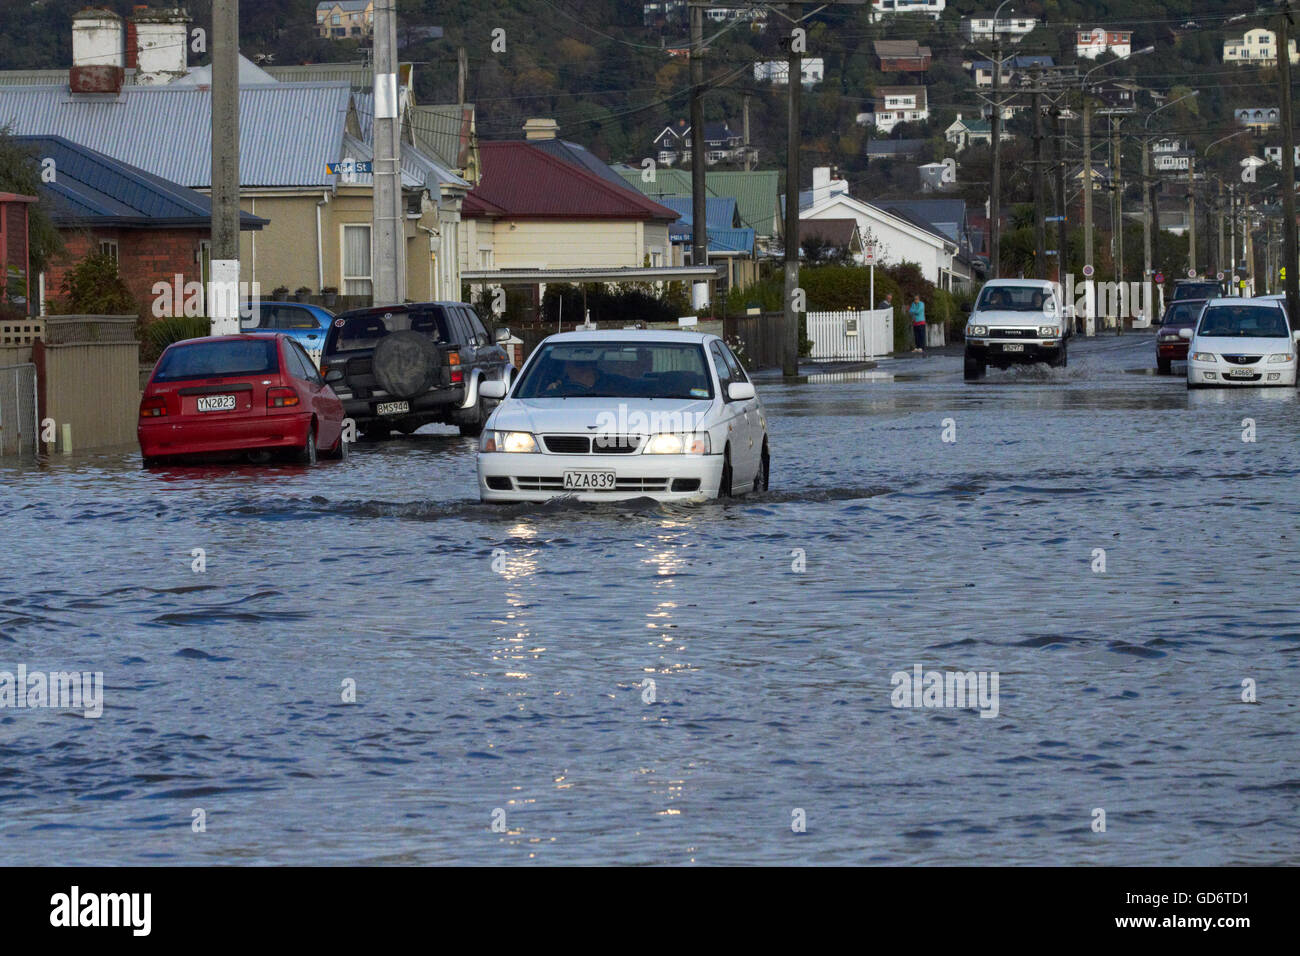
{"x": 405, "y": 364}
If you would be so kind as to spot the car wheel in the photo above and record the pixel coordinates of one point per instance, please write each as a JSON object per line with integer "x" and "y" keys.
{"x": 1061, "y": 359}
{"x": 307, "y": 454}
{"x": 1164, "y": 366}
{"x": 727, "y": 480}
{"x": 972, "y": 369}
{"x": 339, "y": 452}
{"x": 764, "y": 470}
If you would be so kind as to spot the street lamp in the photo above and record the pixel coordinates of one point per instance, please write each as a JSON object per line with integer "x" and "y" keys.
{"x": 1191, "y": 203}
{"x": 1148, "y": 184}
{"x": 1087, "y": 149}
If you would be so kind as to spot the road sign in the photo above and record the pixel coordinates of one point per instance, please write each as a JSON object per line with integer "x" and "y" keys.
{"x": 1191, "y": 273}
{"x": 1160, "y": 278}
{"x": 341, "y": 168}
{"x": 869, "y": 254}
{"x": 1053, "y": 219}
{"x": 1088, "y": 271}
{"x": 1219, "y": 276}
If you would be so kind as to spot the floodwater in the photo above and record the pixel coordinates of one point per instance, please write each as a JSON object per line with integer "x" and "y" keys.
{"x": 502, "y": 656}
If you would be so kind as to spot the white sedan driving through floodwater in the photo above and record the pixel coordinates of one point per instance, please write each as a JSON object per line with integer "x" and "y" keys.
{"x": 607, "y": 415}
{"x": 1240, "y": 341}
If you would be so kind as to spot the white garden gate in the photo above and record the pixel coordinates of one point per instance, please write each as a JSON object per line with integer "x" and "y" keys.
{"x": 864, "y": 334}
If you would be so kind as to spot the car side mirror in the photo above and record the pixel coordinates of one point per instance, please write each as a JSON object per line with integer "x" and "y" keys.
{"x": 492, "y": 388}
{"x": 1185, "y": 333}
{"x": 334, "y": 375}
{"x": 502, "y": 334}
{"x": 740, "y": 391}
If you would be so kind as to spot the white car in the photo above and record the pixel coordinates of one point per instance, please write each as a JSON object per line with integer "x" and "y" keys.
{"x": 608, "y": 415}
{"x": 1241, "y": 341}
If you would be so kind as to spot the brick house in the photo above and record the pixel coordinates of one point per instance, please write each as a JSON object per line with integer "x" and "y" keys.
{"x": 152, "y": 227}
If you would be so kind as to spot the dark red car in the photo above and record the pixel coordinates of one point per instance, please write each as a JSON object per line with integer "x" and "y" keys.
{"x": 1170, "y": 347}
{"x": 250, "y": 394}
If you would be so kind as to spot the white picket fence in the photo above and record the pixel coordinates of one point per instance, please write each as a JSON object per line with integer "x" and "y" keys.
{"x": 866, "y": 334}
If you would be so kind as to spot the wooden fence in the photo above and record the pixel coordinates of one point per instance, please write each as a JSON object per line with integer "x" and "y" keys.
{"x": 859, "y": 335}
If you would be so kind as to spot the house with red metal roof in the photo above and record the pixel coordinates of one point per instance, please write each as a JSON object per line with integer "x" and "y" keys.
{"x": 534, "y": 210}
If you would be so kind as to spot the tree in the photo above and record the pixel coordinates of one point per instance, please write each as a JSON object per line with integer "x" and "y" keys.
{"x": 20, "y": 172}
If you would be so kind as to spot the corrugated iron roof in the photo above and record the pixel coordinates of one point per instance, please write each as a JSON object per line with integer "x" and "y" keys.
{"x": 444, "y": 132}
{"x": 756, "y": 192}
{"x": 287, "y": 133}
{"x": 94, "y": 188}
{"x": 522, "y": 182}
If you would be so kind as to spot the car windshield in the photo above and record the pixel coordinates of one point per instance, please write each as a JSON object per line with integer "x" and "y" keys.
{"x": 217, "y": 360}
{"x": 1195, "y": 290}
{"x": 1243, "y": 321}
{"x": 616, "y": 370}
{"x": 363, "y": 331}
{"x": 1013, "y": 298}
{"x": 1184, "y": 313}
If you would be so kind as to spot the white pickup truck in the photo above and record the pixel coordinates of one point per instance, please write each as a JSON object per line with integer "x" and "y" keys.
{"x": 1016, "y": 322}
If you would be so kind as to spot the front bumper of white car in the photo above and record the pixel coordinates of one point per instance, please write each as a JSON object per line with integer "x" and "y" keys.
{"x": 505, "y": 476}
{"x": 1219, "y": 373}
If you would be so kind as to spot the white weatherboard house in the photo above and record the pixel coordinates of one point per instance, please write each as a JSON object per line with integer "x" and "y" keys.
{"x": 897, "y": 239}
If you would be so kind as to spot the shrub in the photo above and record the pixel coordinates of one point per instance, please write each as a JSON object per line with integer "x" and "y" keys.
{"x": 93, "y": 287}
{"x": 155, "y": 336}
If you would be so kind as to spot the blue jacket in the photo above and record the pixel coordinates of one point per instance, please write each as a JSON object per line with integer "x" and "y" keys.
{"x": 917, "y": 311}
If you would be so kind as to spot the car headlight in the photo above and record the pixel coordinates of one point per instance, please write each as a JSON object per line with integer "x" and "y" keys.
{"x": 1280, "y": 357}
{"x": 976, "y": 331}
{"x": 1202, "y": 356}
{"x": 1047, "y": 331}
{"x": 522, "y": 442}
{"x": 669, "y": 443}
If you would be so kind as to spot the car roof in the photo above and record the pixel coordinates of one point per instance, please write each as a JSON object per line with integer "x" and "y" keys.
{"x": 1238, "y": 300}
{"x": 241, "y": 337}
{"x": 1039, "y": 283}
{"x": 634, "y": 335}
{"x": 398, "y": 307}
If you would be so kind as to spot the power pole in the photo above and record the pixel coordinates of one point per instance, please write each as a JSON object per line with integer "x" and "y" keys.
{"x": 1117, "y": 224}
{"x": 1146, "y": 209}
{"x": 1288, "y": 170}
{"x": 1217, "y": 247}
{"x": 387, "y": 218}
{"x": 790, "y": 354}
{"x": 995, "y": 192}
{"x": 1232, "y": 236}
{"x": 1191, "y": 213}
{"x": 1087, "y": 179}
{"x": 223, "y": 307}
{"x": 699, "y": 160}
{"x": 1063, "y": 206}
{"x": 1040, "y": 185}
{"x": 749, "y": 163}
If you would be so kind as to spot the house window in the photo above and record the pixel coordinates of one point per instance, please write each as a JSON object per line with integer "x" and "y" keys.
{"x": 487, "y": 258}
{"x": 336, "y": 19}
{"x": 356, "y": 260}
{"x": 108, "y": 247}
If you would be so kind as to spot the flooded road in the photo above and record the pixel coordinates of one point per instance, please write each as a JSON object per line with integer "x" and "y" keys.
{"x": 502, "y": 657}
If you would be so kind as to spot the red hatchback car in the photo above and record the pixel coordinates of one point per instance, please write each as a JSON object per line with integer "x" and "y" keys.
{"x": 252, "y": 394}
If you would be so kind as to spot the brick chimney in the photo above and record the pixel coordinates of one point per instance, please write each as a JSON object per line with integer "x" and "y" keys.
{"x": 132, "y": 43}
{"x": 162, "y": 38}
{"x": 97, "y": 52}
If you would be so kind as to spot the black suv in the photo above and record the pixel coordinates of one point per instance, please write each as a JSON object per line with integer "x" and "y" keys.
{"x": 1197, "y": 289}
{"x": 403, "y": 366}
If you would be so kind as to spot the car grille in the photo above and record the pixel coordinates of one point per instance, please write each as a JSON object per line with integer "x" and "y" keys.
{"x": 1013, "y": 333}
{"x": 585, "y": 445}
{"x": 1242, "y": 359}
{"x": 545, "y": 483}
